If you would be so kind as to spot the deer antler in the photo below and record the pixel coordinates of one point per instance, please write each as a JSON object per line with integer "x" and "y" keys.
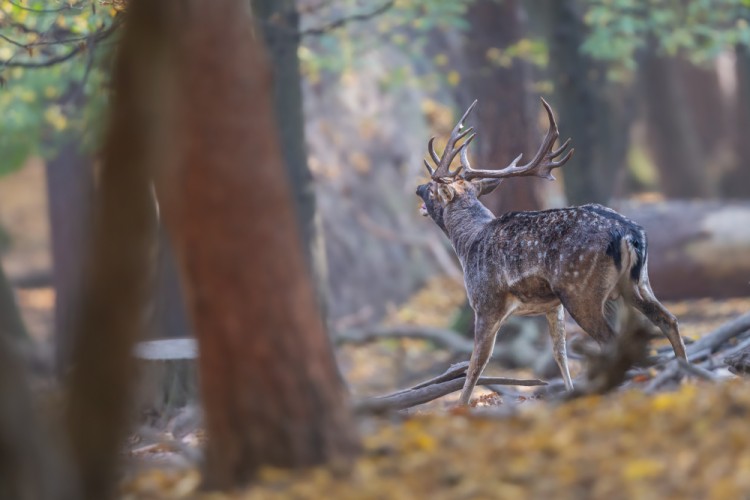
{"x": 449, "y": 153}
{"x": 540, "y": 166}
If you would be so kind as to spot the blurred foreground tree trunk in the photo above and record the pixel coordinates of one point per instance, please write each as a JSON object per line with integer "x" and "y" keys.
{"x": 591, "y": 110}
{"x": 279, "y": 22}
{"x": 23, "y": 475}
{"x": 70, "y": 187}
{"x": 506, "y": 113}
{"x": 673, "y": 137}
{"x": 117, "y": 278}
{"x": 270, "y": 386}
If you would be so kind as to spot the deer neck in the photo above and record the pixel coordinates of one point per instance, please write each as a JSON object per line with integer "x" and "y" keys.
{"x": 464, "y": 219}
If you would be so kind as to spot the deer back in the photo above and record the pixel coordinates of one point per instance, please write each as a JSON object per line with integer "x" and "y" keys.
{"x": 535, "y": 256}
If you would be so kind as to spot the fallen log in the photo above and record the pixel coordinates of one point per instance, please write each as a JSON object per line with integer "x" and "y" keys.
{"x": 696, "y": 248}
{"x": 713, "y": 340}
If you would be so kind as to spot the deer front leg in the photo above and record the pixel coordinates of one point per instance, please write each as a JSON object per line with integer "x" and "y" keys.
{"x": 556, "y": 321}
{"x": 485, "y": 331}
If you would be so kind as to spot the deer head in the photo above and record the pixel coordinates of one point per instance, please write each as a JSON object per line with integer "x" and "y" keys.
{"x": 447, "y": 186}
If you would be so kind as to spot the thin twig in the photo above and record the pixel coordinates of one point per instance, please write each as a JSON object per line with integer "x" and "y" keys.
{"x": 13, "y": 42}
{"x": 338, "y": 23}
{"x": 52, "y": 61}
{"x": 670, "y": 372}
{"x": 43, "y": 11}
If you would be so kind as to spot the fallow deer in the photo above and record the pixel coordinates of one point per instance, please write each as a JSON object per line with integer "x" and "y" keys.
{"x": 533, "y": 263}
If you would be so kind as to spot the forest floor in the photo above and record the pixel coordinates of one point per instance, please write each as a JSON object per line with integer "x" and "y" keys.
{"x": 691, "y": 441}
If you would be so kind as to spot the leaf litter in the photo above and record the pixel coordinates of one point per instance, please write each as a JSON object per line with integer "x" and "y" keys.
{"x": 692, "y": 442}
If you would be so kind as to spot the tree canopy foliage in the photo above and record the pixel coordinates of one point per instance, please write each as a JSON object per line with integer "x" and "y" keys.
{"x": 699, "y": 29}
{"x": 48, "y": 67}
{"x": 49, "y": 58}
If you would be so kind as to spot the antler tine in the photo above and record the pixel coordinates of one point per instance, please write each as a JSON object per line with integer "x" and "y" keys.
{"x": 449, "y": 153}
{"x": 464, "y": 149}
{"x": 427, "y": 165}
{"x": 540, "y": 165}
{"x": 433, "y": 154}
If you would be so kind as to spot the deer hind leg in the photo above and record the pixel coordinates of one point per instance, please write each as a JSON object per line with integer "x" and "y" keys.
{"x": 588, "y": 310}
{"x": 646, "y": 302}
{"x": 485, "y": 332}
{"x": 556, "y": 321}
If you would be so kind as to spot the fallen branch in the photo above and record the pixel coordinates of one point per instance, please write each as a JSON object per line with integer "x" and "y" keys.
{"x": 741, "y": 346}
{"x": 722, "y": 334}
{"x": 670, "y": 373}
{"x": 738, "y": 358}
{"x": 451, "y": 381}
{"x": 696, "y": 371}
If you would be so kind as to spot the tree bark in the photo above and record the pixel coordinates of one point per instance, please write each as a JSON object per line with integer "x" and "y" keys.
{"x": 506, "y": 114}
{"x": 736, "y": 183}
{"x": 116, "y": 287}
{"x": 167, "y": 385}
{"x": 594, "y": 112}
{"x": 11, "y": 323}
{"x": 279, "y": 22}
{"x": 170, "y": 314}
{"x": 673, "y": 138}
{"x": 270, "y": 387}
{"x": 706, "y": 107}
{"x": 70, "y": 188}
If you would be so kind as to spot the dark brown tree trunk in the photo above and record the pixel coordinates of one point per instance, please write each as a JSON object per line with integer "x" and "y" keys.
{"x": 673, "y": 137}
{"x": 592, "y": 111}
{"x": 117, "y": 281}
{"x": 279, "y": 21}
{"x": 506, "y": 113}
{"x": 270, "y": 387}
{"x": 167, "y": 385}
{"x": 736, "y": 184}
{"x": 170, "y": 314}
{"x": 69, "y": 191}
{"x": 11, "y": 324}
{"x": 705, "y": 104}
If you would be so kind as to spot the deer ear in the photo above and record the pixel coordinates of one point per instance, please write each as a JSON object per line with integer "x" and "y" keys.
{"x": 486, "y": 186}
{"x": 446, "y": 193}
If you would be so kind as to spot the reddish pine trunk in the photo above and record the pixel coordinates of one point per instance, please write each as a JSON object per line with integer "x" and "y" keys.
{"x": 270, "y": 386}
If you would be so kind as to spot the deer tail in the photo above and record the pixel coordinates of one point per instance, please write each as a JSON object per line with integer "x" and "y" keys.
{"x": 628, "y": 247}
{"x": 638, "y": 245}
